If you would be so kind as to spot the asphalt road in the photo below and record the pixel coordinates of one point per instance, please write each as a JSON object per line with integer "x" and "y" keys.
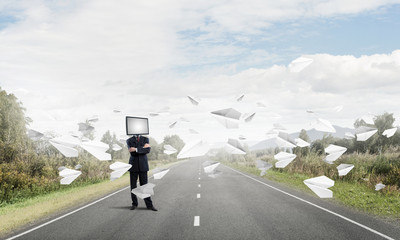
{"x": 232, "y": 206}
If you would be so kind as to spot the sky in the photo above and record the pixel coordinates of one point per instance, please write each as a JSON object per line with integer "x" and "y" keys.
{"x": 69, "y": 60}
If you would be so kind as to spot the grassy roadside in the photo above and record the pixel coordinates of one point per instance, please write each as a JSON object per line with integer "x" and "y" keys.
{"x": 355, "y": 195}
{"x": 16, "y": 215}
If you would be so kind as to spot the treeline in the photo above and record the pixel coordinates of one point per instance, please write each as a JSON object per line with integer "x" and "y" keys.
{"x": 29, "y": 168}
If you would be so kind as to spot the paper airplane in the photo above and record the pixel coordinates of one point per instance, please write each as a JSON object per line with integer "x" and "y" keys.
{"x": 248, "y": 116}
{"x": 116, "y": 111}
{"x": 192, "y": 131}
{"x": 284, "y": 159}
{"x": 144, "y": 191}
{"x": 260, "y": 104}
{"x": 284, "y": 140}
{"x": 119, "y": 168}
{"x": 194, "y": 100}
{"x": 320, "y": 185}
{"x": 299, "y": 64}
{"x": 263, "y": 166}
{"x": 323, "y": 125}
{"x": 68, "y": 176}
{"x": 334, "y": 152}
{"x": 228, "y": 117}
{"x": 379, "y": 186}
{"x": 94, "y": 118}
{"x": 34, "y": 135}
{"x": 363, "y": 133}
{"x": 233, "y": 146}
{"x": 389, "y": 132}
{"x": 78, "y": 166}
{"x": 116, "y": 147}
{"x": 65, "y": 150}
{"x": 301, "y": 143}
{"x": 215, "y": 174}
{"x": 163, "y": 111}
{"x": 168, "y": 149}
{"x": 344, "y": 169}
{"x": 368, "y": 119}
{"x": 172, "y": 125}
{"x": 240, "y": 98}
{"x": 159, "y": 173}
{"x": 242, "y": 137}
{"x": 84, "y": 127}
{"x": 97, "y": 149}
{"x": 210, "y": 166}
{"x": 195, "y": 148}
{"x": 349, "y": 135}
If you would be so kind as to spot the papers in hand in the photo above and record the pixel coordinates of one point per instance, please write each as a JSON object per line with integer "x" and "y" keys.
{"x": 119, "y": 168}
{"x": 144, "y": 191}
{"x": 320, "y": 185}
{"x": 68, "y": 176}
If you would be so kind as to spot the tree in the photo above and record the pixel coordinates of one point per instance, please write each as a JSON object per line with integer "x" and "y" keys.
{"x": 13, "y": 137}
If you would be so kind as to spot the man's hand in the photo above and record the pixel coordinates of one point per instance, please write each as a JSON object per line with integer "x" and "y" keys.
{"x": 146, "y": 145}
{"x": 132, "y": 149}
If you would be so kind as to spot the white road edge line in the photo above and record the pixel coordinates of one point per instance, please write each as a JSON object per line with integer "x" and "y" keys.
{"x": 199, "y": 185}
{"x": 88, "y": 205}
{"x": 198, "y": 195}
{"x": 315, "y": 205}
{"x": 196, "y": 221}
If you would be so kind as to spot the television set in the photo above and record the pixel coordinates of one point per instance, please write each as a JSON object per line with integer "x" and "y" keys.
{"x": 137, "y": 126}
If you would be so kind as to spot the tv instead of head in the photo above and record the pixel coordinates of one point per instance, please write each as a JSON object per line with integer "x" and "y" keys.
{"x": 137, "y": 126}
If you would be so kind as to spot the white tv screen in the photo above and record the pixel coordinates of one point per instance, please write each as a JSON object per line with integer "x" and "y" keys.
{"x": 137, "y": 126}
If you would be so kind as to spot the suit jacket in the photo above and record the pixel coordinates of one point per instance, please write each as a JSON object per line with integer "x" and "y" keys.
{"x": 138, "y": 159}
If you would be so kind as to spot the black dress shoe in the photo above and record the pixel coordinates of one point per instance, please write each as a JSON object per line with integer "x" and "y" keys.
{"x": 133, "y": 207}
{"x": 152, "y": 208}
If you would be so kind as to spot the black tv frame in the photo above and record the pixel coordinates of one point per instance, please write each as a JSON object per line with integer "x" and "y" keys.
{"x": 126, "y": 125}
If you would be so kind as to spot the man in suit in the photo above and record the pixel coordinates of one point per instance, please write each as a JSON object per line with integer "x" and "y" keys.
{"x": 139, "y": 147}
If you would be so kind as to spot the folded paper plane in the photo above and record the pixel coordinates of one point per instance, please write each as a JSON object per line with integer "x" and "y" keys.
{"x": 84, "y": 127}
{"x": 263, "y": 166}
{"x": 67, "y": 151}
{"x": 320, "y": 185}
{"x": 240, "y": 98}
{"x": 334, "y": 152}
{"x": 194, "y": 100}
{"x": 260, "y": 104}
{"x": 116, "y": 147}
{"x": 284, "y": 140}
{"x": 363, "y": 133}
{"x": 118, "y": 169}
{"x": 323, "y": 125}
{"x": 144, "y": 191}
{"x": 195, "y": 148}
{"x": 379, "y": 186}
{"x": 299, "y": 64}
{"x": 192, "y": 131}
{"x": 159, "y": 173}
{"x": 301, "y": 143}
{"x": 97, "y": 149}
{"x": 248, "y": 116}
{"x": 344, "y": 169}
{"x": 34, "y": 135}
{"x": 68, "y": 176}
{"x": 78, "y": 166}
{"x": 168, "y": 149}
{"x": 349, "y": 135}
{"x": 209, "y": 166}
{"x": 389, "y": 132}
{"x": 284, "y": 159}
{"x": 228, "y": 117}
{"x": 368, "y": 119}
{"x": 215, "y": 174}
{"x": 233, "y": 146}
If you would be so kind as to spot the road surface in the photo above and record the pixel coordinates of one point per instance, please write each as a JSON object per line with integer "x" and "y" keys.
{"x": 234, "y": 205}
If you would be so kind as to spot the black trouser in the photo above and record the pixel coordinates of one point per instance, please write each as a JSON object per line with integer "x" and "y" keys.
{"x": 142, "y": 181}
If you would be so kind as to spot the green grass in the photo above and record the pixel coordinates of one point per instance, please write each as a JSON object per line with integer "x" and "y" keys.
{"x": 352, "y": 194}
{"x": 13, "y": 216}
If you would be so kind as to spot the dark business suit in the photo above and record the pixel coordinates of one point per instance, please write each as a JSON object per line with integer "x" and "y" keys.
{"x": 140, "y": 166}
